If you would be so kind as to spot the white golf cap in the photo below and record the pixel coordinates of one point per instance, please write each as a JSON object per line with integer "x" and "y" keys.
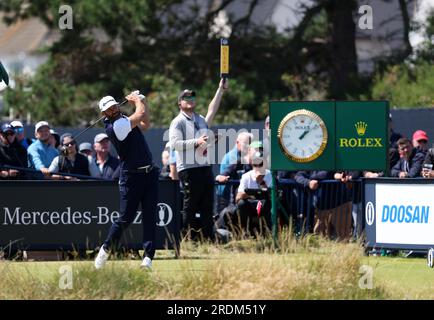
{"x": 41, "y": 124}
{"x": 17, "y": 124}
{"x": 100, "y": 137}
{"x": 106, "y": 103}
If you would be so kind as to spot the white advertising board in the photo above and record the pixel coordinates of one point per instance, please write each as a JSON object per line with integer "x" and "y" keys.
{"x": 404, "y": 214}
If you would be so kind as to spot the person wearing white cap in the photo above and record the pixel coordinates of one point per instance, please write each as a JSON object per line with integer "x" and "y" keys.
{"x": 21, "y": 137}
{"x": 41, "y": 153}
{"x": 138, "y": 181}
{"x": 104, "y": 165}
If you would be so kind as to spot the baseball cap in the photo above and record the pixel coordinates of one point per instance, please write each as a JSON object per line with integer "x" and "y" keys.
{"x": 54, "y": 132}
{"x": 100, "y": 137}
{"x": 85, "y": 146}
{"x": 17, "y": 124}
{"x": 256, "y": 144}
{"x": 420, "y": 135}
{"x": 106, "y": 103}
{"x": 257, "y": 157}
{"x": 41, "y": 124}
{"x": 6, "y": 127}
{"x": 186, "y": 93}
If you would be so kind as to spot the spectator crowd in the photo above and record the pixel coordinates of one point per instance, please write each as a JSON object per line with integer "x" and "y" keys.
{"x": 50, "y": 156}
{"x": 240, "y": 199}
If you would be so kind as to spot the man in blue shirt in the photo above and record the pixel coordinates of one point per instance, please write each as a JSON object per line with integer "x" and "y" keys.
{"x": 40, "y": 152}
{"x": 233, "y": 165}
{"x": 138, "y": 181}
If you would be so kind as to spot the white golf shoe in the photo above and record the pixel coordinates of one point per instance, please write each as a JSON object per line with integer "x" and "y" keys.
{"x": 146, "y": 263}
{"x": 101, "y": 258}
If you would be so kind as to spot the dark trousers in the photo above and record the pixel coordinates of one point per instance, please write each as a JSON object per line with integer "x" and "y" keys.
{"x": 135, "y": 189}
{"x": 198, "y": 189}
{"x": 222, "y": 202}
{"x": 249, "y": 219}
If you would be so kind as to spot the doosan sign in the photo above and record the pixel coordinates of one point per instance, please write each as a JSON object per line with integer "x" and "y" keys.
{"x": 405, "y": 214}
{"x": 399, "y": 214}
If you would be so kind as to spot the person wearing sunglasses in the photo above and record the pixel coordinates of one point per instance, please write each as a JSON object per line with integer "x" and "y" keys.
{"x": 20, "y": 134}
{"x": 69, "y": 161}
{"x": 11, "y": 153}
{"x": 190, "y": 137}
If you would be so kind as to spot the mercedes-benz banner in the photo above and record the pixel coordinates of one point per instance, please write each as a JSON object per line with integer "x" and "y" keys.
{"x": 44, "y": 215}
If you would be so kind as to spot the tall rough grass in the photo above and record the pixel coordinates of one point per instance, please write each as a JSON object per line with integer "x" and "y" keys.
{"x": 311, "y": 268}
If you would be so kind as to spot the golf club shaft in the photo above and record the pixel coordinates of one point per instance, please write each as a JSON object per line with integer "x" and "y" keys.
{"x": 90, "y": 126}
{"x": 101, "y": 118}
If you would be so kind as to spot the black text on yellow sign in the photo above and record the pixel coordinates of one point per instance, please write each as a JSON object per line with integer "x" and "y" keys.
{"x": 224, "y": 58}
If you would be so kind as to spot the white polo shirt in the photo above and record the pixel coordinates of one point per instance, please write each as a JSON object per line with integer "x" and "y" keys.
{"x": 248, "y": 181}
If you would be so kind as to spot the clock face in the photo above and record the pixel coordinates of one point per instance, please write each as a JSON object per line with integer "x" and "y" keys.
{"x": 302, "y": 136}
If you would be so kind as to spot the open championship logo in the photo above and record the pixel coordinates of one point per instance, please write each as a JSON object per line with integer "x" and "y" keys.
{"x": 369, "y": 213}
{"x": 165, "y": 214}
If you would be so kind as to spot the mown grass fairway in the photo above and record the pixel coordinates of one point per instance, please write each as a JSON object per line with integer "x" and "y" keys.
{"x": 307, "y": 269}
{"x": 404, "y": 278}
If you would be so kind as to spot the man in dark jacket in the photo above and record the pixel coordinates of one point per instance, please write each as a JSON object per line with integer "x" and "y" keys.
{"x": 331, "y": 203}
{"x": 107, "y": 166}
{"x": 11, "y": 153}
{"x": 69, "y": 161}
{"x": 410, "y": 163}
{"x": 308, "y": 197}
{"x": 21, "y": 137}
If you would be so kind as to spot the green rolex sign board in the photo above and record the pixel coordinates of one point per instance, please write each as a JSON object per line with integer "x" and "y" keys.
{"x": 329, "y": 135}
{"x": 361, "y": 135}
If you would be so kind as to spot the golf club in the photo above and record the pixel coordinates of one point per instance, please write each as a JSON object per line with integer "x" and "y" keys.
{"x": 102, "y": 117}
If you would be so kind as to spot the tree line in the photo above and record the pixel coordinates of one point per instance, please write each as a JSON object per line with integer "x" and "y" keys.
{"x": 163, "y": 46}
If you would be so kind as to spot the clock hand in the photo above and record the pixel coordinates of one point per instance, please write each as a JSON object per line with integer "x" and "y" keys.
{"x": 303, "y": 134}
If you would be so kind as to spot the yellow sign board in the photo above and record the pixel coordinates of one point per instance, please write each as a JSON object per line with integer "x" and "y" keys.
{"x": 224, "y": 58}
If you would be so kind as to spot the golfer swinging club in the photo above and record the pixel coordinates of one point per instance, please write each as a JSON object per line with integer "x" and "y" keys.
{"x": 138, "y": 182}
